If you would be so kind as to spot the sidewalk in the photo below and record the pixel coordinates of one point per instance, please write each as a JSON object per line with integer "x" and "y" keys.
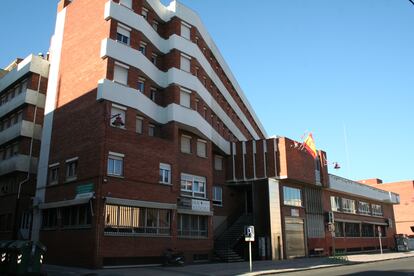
{"x": 224, "y": 269}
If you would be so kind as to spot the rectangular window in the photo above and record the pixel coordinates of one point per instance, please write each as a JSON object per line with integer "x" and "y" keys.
{"x": 121, "y": 73}
{"x": 377, "y": 210}
{"x": 165, "y": 173}
{"x": 126, "y": 3}
{"x": 151, "y": 130}
{"x": 218, "y": 162}
{"x": 339, "y": 229}
{"x": 128, "y": 220}
{"x": 117, "y": 116}
{"x": 201, "y": 148}
{"x": 352, "y": 229}
{"x": 138, "y": 125}
{"x": 185, "y": 144}
{"x": 76, "y": 216}
{"x": 185, "y": 30}
{"x": 185, "y": 98}
{"x": 143, "y": 48}
{"x": 153, "y": 94}
{"x": 192, "y": 226}
{"x": 71, "y": 169}
{"x": 154, "y": 58}
{"x": 123, "y": 34}
{"x": 367, "y": 230}
{"x": 335, "y": 203}
{"x": 348, "y": 205}
{"x": 185, "y": 63}
{"x": 144, "y": 13}
{"x": 192, "y": 185}
{"x": 116, "y": 164}
{"x": 141, "y": 85}
{"x": 155, "y": 25}
{"x": 53, "y": 174}
{"x": 292, "y": 196}
{"x": 15, "y": 149}
{"x": 363, "y": 208}
{"x": 49, "y": 218}
{"x": 217, "y": 195}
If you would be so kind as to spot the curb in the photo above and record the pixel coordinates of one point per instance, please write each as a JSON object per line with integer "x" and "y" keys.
{"x": 288, "y": 270}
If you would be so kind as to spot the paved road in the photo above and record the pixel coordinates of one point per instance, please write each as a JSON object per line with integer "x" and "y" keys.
{"x": 390, "y": 267}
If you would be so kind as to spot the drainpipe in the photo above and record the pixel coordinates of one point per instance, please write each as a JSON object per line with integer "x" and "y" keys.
{"x": 16, "y": 221}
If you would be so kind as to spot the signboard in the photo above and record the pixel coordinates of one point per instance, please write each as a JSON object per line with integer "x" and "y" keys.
{"x": 294, "y": 212}
{"x": 84, "y": 189}
{"x": 200, "y": 205}
{"x": 249, "y": 233}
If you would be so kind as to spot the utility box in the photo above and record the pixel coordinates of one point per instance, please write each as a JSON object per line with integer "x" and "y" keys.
{"x": 4, "y": 256}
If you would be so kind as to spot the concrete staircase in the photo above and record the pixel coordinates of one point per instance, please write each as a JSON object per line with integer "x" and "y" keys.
{"x": 225, "y": 243}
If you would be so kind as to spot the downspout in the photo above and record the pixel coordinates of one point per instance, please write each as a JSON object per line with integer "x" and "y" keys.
{"x": 16, "y": 224}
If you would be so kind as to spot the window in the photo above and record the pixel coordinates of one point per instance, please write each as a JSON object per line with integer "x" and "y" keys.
{"x": 339, "y": 229}
{"x": 116, "y": 164}
{"x": 218, "y": 162}
{"x": 201, "y": 148}
{"x": 49, "y": 218}
{"x": 367, "y": 230}
{"x": 141, "y": 85}
{"x": 15, "y": 149}
{"x": 348, "y": 205}
{"x": 121, "y": 73}
{"x": 53, "y": 174}
{"x": 352, "y": 229}
{"x": 117, "y": 116}
{"x": 126, "y": 3}
{"x": 197, "y": 102}
{"x": 123, "y": 34}
{"x": 192, "y": 185}
{"x": 165, "y": 173}
{"x": 185, "y": 30}
{"x": 377, "y": 210}
{"x": 335, "y": 203}
{"x": 192, "y": 226}
{"x": 144, "y": 13}
{"x": 153, "y": 94}
{"x": 217, "y": 195}
{"x": 151, "y": 130}
{"x": 185, "y": 97}
{"x": 138, "y": 124}
{"x": 155, "y": 25}
{"x": 71, "y": 169}
{"x": 129, "y": 220}
{"x": 76, "y": 216}
{"x": 185, "y": 144}
{"x": 185, "y": 63}
{"x": 363, "y": 208}
{"x": 292, "y": 196}
{"x": 154, "y": 58}
{"x": 143, "y": 48}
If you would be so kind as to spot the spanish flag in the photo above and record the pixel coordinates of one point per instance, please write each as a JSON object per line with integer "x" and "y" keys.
{"x": 309, "y": 145}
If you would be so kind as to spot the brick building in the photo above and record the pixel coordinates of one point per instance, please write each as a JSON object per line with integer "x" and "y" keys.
{"x": 404, "y": 218}
{"x": 139, "y": 114}
{"x": 149, "y": 143}
{"x": 289, "y": 196}
{"x": 22, "y": 97}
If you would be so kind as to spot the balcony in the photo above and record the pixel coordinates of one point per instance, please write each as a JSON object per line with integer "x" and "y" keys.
{"x": 21, "y": 163}
{"x": 29, "y": 96}
{"x": 24, "y": 128}
{"x": 351, "y": 187}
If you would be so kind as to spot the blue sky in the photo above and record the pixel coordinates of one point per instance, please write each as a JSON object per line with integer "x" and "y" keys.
{"x": 332, "y": 67}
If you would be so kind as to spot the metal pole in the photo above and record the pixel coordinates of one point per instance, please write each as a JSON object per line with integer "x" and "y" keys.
{"x": 379, "y": 237}
{"x": 250, "y": 255}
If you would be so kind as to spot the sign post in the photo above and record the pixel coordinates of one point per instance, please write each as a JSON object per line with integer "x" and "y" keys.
{"x": 249, "y": 237}
{"x": 379, "y": 237}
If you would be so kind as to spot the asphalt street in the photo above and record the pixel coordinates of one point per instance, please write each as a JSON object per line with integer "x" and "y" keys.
{"x": 390, "y": 267}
